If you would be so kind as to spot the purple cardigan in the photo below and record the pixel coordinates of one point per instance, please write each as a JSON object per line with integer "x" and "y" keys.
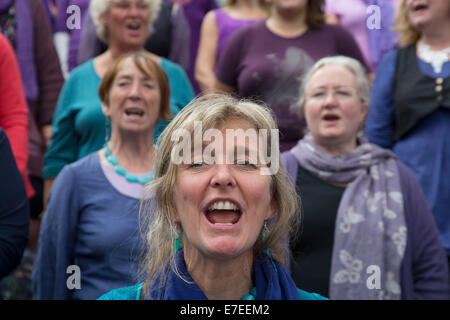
{"x": 424, "y": 267}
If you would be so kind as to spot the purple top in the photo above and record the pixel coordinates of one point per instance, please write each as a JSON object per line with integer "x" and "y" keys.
{"x": 195, "y": 11}
{"x": 227, "y": 25}
{"x": 272, "y": 72}
{"x": 75, "y": 34}
{"x": 133, "y": 190}
{"x": 24, "y": 45}
{"x": 353, "y": 16}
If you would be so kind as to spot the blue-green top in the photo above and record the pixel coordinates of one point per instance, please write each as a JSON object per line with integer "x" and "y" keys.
{"x": 134, "y": 293}
{"x": 79, "y": 124}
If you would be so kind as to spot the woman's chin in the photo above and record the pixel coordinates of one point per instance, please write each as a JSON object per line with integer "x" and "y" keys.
{"x": 225, "y": 250}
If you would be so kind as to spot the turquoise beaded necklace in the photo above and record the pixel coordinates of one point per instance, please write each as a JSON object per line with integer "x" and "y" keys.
{"x": 123, "y": 172}
{"x": 251, "y": 295}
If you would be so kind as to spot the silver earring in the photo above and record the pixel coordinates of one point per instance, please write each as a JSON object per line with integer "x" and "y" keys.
{"x": 265, "y": 231}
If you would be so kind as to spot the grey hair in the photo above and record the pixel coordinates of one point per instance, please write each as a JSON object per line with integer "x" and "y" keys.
{"x": 353, "y": 65}
{"x": 99, "y": 7}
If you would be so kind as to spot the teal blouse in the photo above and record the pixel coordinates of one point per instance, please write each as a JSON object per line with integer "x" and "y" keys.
{"x": 134, "y": 293}
{"x": 79, "y": 123}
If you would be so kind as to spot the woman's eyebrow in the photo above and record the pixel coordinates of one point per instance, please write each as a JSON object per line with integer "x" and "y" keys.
{"x": 124, "y": 76}
{"x": 130, "y": 77}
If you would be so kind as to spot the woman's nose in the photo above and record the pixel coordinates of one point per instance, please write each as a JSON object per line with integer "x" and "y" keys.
{"x": 330, "y": 98}
{"x": 134, "y": 91}
{"x": 133, "y": 9}
{"x": 223, "y": 176}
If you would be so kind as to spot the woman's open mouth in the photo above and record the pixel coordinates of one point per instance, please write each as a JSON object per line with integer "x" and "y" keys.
{"x": 134, "y": 112}
{"x": 134, "y": 28}
{"x": 223, "y": 213}
{"x": 420, "y": 7}
{"x": 330, "y": 118}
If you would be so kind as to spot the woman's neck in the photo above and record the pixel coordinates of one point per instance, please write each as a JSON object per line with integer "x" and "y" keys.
{"x": 247, "y": 10}
{"x": 287, "y": 25}
{"x": 134, "y": 153}
{"x": 334, "y": 148}
{"x": 438, "y": 38}
{"x": 218, "y": 279}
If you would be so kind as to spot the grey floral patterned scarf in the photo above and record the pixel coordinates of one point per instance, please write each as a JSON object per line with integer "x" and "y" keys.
{"x": 370, "y": 231}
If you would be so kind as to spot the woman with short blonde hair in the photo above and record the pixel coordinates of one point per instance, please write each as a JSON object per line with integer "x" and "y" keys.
{"x": 98, "y": 8}
{"x": 408, "y": 34}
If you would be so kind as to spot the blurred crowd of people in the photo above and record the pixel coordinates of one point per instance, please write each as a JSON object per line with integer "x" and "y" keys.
{"x": 359, "y": 91}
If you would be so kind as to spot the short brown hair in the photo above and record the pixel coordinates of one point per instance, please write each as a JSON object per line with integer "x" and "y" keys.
{"x": 145, "y": 63}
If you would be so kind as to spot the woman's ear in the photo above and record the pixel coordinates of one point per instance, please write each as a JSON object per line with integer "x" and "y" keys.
{"x": 365, "y": 110}
{"x": 106, "y": 110}
{"x": 174, "y": 216}
{"x": 103, "y": 18}
{"x": 272, "y": 210}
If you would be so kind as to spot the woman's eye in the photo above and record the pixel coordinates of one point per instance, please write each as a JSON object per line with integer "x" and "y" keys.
{"x": 122, "y": 4}
{"x": 344, "y": 93}
{"x": 317, "y": 94}
{"x": 197, "y": 164}
{"x": 245, "y": 164}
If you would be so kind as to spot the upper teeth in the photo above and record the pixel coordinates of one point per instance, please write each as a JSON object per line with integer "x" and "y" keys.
{"x": 135, "y": 111}
{"x": 223, "y": 205}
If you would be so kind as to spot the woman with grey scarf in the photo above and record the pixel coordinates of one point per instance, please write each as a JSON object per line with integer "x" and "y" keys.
{"x": 367, "y": 230}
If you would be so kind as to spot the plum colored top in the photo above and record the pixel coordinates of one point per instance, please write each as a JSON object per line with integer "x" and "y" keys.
{"x": 268, "y": 67}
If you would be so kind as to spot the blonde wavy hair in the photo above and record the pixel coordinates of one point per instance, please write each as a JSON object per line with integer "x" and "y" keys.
{"x": 99, "y": 7}
{"x": 408, "y": 34}
{"x": 212, "y": 110}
